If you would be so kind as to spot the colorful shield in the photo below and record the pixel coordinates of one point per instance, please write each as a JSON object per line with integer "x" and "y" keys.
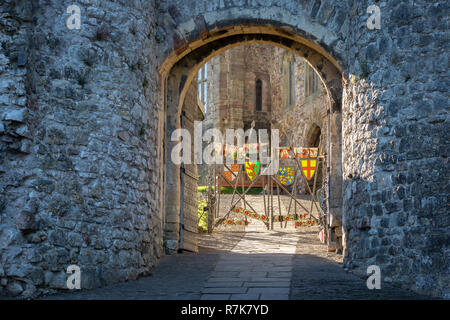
{"x": 286, "y": 175}
{"x": 285, "y": 153}
{"x": 307, "y": 152}
{"x": 231, "y": 175}
{"x": 309, "y": 168}
{"x": 252, "y": 169}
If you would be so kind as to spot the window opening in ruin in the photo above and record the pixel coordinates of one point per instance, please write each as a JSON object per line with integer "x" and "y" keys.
{"x": 202, "y": 85}
{"x": 311, "y": 81}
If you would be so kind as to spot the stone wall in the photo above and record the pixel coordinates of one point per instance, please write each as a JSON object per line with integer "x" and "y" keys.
{"x": 79, "y": 172}
{"x": 395, "y": 145}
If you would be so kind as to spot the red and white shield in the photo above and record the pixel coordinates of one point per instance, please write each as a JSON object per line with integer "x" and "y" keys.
{"x": 231, "y": 175}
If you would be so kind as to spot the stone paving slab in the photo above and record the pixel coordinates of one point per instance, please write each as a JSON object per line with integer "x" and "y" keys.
{"x": 303, "y": 269}
{"x": 245, "y": 296}
{"x": 229, "y": 290}
{"x": 271, "y": 291}
{"x": 264, "y": 296}
{"x": 272, "y": 284}
{"x": 255, "y": 256}
{"x": 215, "y": 297}
{"x": 222, "y": 284}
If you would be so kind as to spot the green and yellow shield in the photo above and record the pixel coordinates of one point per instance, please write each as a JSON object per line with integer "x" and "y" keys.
{"x": 252, "y": 169}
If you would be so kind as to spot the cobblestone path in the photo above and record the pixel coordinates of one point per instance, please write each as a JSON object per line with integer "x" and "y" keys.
{"x": 250, "y": 265}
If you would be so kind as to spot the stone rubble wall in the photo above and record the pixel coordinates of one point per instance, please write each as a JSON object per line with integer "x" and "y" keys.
{"x": 79, "y": 173}
{"x": 395, "y": 145}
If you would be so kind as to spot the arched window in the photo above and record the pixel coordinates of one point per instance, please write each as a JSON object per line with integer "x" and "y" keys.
{"x": 288, "y": 80}
{"x": 291, "y": 83}
{"x": 258, "y": 91}
{"x": 311, "y": 81}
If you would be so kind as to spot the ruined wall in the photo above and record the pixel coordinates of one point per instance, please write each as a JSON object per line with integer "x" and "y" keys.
{"x": 299, "y": 124}
{"x": 231, "y": 86}
{"x": 300, "y": 120}
{"x": 231, "y": 83}
{"x": 79, "y": 171}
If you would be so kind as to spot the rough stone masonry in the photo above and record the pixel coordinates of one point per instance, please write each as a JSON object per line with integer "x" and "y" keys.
{"x": 83, "y": 116}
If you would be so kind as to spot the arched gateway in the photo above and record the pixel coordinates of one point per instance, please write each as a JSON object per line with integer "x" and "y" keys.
{"x": 214, "y": 42}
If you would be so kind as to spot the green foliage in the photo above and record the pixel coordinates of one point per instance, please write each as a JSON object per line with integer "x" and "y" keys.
{"x": 229, "y": 190}
{"x": 202, "y": 189}
{"x": 202, "y": 223}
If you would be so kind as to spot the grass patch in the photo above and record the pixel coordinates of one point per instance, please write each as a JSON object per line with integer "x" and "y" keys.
{"x": 202, "y": 189}
{"x": 229, "y": 190}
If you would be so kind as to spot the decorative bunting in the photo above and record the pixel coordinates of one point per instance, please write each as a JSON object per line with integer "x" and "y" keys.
{"x": 232, "y": 222}
{"x": 284, "y": 153}
{"x": 306, "y": 152}
{"x": 251, "y": 214}
{"x": 292, "y": 217}
{"x": 306, "y": 223}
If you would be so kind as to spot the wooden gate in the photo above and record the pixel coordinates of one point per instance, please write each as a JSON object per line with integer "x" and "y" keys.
{"x": 189, "y": 181}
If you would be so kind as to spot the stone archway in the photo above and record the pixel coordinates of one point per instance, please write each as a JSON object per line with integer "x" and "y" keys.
{"x": 313, "y": 135}
{"x": 178, "y": 75}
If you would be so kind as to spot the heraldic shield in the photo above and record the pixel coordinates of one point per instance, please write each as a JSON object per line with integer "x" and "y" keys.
{"x": 309, "y": 167}
{"x": 231, "y": 175}
{"x": 252, "y": 169}
{"x": 286, "y": 175}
